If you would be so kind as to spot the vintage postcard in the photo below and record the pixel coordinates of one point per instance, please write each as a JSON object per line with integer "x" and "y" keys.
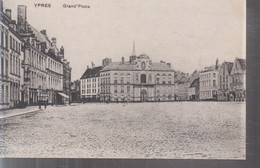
{"x": 150, "y": 79}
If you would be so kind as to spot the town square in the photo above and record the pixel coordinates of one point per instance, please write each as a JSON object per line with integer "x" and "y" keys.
{"x": 165, "y": 130}
{"x": 146, "y": 80}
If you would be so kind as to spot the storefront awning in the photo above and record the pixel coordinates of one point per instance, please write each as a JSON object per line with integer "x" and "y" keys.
{"x": 62, "y": 94}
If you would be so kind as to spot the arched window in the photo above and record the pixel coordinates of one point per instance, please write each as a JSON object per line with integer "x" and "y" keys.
{"x": 143, "y": 65}
{"x": 143, "y": 78}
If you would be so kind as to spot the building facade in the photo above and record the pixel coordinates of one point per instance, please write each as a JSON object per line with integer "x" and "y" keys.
{"x": 11, "y": 56}
{"x": 224, "y": 80}
{"x": 194, "y": 90}
{"x": 238, "y": 80}
{"x": 208, "y": 83}
{"x": 137, "y": 80}
{"x": 43, "y": 66}
{"x": 75, "y": 91}
{"x": 182, "y": 92}
{"x": 90, "y": 84}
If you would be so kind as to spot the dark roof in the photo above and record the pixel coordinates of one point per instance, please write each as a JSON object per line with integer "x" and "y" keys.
{"x": 229, "y": 66}
{"x": 183, "y": 80}
{"x": 194, "y": 82}
{"x": 242, "y": 62}
{"x": 92, "y": 72}
{"x": 143, "y": 56}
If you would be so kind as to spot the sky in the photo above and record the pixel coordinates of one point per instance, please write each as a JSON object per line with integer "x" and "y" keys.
{"x": 186, "y": 33}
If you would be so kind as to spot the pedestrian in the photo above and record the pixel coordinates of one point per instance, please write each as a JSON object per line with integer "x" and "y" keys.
{"x": 45, "y": 105}
{"x": 40, "y": 105}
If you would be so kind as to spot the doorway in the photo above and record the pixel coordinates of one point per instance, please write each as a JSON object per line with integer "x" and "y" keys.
{"x": 143, "y": 96}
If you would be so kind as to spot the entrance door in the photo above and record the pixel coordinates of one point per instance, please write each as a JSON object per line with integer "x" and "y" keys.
{"x": 143, "y": 96}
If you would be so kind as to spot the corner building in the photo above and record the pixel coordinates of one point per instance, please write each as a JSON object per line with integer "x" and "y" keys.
{"x": 138, "y": 80}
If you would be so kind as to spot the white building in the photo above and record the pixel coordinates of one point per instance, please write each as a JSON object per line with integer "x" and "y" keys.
{"x": 208, "y": 83}
{"x": 90, "y": 84}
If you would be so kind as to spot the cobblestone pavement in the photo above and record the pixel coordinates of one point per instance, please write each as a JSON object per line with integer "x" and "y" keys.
{"x": 186, "y": 130}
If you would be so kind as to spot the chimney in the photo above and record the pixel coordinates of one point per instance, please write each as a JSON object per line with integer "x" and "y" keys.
{"x": 43, "y": 32}
{"x": 106, "y": 61}
{"x": 92, "y": 65}
{"x": 2, "y": 8}
{"x": 62, "y": 52}
{"x": 123, "y": 60}
{"x": 43, "y": 47}
{"x": 8, "y": 13}
{"x": 87, "y": 67}
{"x": 54, "y": 40}
{"x": 216, "y": 67}
{"x": 22, "y": 18}
{"x": 52, "y": 51}
{"x": 169, "y": 65}
{"x": 162, "y": 62}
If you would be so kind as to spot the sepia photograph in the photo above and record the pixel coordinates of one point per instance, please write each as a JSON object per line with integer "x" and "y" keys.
{"x": 131, "y": 79}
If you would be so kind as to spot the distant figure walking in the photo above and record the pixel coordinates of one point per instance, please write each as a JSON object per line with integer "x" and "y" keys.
{"x": 45, "y": 105}
{"x": 40, "y": 106}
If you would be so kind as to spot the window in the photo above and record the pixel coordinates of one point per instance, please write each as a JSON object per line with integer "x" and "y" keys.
{"x": 11, "y": 42}
{"x": 2, "y": 67}
{"x": 143, "y": 78}
{"x": 128, "y": 80}
{"x": 2, "y": 38}
{"x": 6, "y": 67}
{"x": 122, "y": 79}
{"x": 143, "y": 65}
{"x": 214, "y": 82}
{"x": 6, "y": 41}
{"x": 128, "y": 88}
{"x": 115, "y": 89}
{"x": 3, "y": 93}
{"x": 214, "y": 75}
{"x": 158, "y": 80}
{"x": 122, "y": 89}
{"x": 115, "y": 80}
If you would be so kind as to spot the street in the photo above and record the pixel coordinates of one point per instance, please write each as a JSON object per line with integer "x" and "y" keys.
{"x": 170, "y": 130}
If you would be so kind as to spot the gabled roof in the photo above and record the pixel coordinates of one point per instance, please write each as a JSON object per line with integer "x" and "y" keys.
{"x": 229, "y": 66}
{"x": 42, "y": 38}
{"x": 183, "y": 80}
{"x": 92, "y": 72}
{"x": 194, "y": 82}
{"x": 242, "y": 62}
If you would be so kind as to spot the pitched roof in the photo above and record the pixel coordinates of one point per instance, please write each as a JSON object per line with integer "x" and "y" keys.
{"x": 129, "y": 67}
{"x": 41, "y": 37}
{"x": 183, "y": 80}
{"x": 229, "y": 66}
{"x": 194, "y": 82}
{"x": 242, "y": 62}
{"x": 92, "y": 72}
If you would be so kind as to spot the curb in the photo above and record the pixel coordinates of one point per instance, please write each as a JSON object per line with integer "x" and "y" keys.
{"x": 13, "y": 115}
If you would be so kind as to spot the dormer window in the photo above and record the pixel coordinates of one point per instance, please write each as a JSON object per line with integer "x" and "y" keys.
{"x": 143, "y": 65}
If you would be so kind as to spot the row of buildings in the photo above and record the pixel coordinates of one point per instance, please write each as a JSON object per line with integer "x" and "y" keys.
{"x": 140, "y": 79}
{"x": 225, "y": 82}
{"x": 33, "y": 69}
